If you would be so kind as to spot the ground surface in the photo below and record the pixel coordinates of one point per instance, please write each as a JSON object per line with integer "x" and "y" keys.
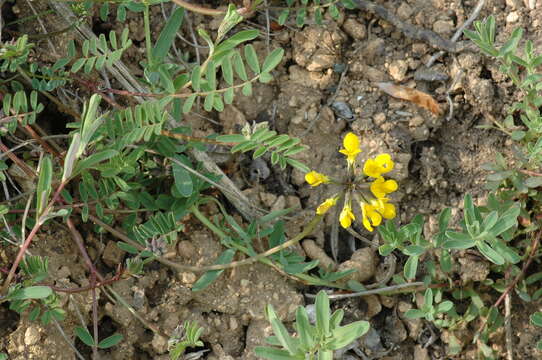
{"x": 437, "y": 161}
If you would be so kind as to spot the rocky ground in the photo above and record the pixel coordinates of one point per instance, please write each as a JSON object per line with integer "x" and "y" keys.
{"x": 325, "y": 86}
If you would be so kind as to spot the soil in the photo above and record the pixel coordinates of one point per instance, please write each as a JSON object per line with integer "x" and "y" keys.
{"x": 324, "y": 87}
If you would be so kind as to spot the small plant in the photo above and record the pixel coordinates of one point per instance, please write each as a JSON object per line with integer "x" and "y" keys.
{"x": 185, "y": 336}
{"x": 316, "y": 341}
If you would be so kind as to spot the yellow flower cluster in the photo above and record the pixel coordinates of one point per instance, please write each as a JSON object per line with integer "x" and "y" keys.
{"x": 371, "y": 195}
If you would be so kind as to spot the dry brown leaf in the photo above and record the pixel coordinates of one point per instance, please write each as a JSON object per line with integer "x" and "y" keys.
{"x": 415, "y": 96}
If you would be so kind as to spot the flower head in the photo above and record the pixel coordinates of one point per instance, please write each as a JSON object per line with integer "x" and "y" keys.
{"x": 378, "y": 166}
{"x": 326, "y": 205}
{"x": 370, "y": 216}
{"x": 347, "y": 216}
{"x": 351, "y": 148}
{"x": 380, "y": 187}
{"x": 315, "y": 178}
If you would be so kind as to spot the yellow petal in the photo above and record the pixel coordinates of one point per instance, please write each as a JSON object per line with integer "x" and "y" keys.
{"x": 314, "y": 178}
{"x": 385, "y": 163}
{"x": 326, "y": 205}
{"x": 351, "y": 142}
{"x": 365, "y": 219}
{"x": 389, "y": 211}
{"x": 346, "y": 217}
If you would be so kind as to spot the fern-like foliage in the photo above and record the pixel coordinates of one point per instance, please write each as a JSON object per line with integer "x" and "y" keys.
{"x": 317, "y": 8}
{"x": 97, "y": 52}
{"x": 19, "y": 108}
{"x": 262, "y": 140}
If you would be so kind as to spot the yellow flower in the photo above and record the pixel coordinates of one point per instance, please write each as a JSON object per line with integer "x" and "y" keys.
{"x": 378, "y": 166}
{"x": 347, "y": 216}
{"x": 351, "y": 147}
{"x": 384, "y": 208}
{"x": 314, "y": 178}
{"x": 371, "y": 217}
{"x": 326, "y": 205}
{"x": 380, "y": 187}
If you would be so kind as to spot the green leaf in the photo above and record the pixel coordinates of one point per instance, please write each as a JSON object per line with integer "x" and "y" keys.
{"x": 300, "y": 17}
{"x": 44, "y": 187}
{"x": 208, "y": 102}
{"x": 210, "y": 76}
{"x": 167, "y": 35}
{"x": 227, "y": 70}
{"x": 252, "y": 59}
{"x": 414, "y": 250}
{"x": 84, "y": 335}
{"x": 512, "y": 43}
{"x": 94, "y": 159}
{"x": 111, "y": 340}
{"x": 247, "y": 89}
{"x": 347, "y": 334}
{"x": 304, "y": 328}
{"x": 210, "y": 276}
{"x": 322, "y": 313}
{"x": 297, "y": 164}
{"x": 414, "y": 314}
{"x": 445, "y": 306}
{"x": 533, "y": 181}
{"x": 31, "y": 292}
{"x": 283, "y": 16}
{"x": 280, "y": 331}
{"x": 273, "y": 353}
{"x": 265, "y": 78}
{"x": 239, "y": 66}
{"x": 536, "y": 318}
{"x": 458, "y": 244}
{"x": 183, "y": 180}
{"x": 234, "y": 40}
{"x": 196, "y": 78}
{"x": 188, "y": 103}
{"x": 228, "y": 96}
{"x": 507, "y": 220}
{"x": 411, "y": 267}
{"x": 490, "y": 253}
{"x": 233, "y": 138}
{"x": 272, "y": 60}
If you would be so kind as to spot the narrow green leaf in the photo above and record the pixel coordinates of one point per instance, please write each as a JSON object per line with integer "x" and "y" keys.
{"x": 208, "y": 102}
{"x": 31, "y": 292}
{"x": 167, "y": 35}
{"x": 252, "y": 59}
{"x": 411, "y": 267}
{"x": 183, "y": 180}
{"x": 188, "y": 103}
{"x": 111, "y": 340}
{"x": 94, "y": 159}
{"x": 347, "y": 334}
{"x": 228, "y": 96}
{"x": 247, "y": 89}
{"x": 210, "y": 276}
{"x": 273, "y": 353}
{"x": 227, "y": 70}
{"x": 43, "y": 189}
{"x": 211, "y": 75}
{"x": 84, "y": 335}
{"x": 536, "y": 318}
{"x": 239, "y": 66}
{"x": 196, "y": 78}
{"x": 272, "y": 60}
{"x": 322, "y": 312}
{"x": 490, "y": 253}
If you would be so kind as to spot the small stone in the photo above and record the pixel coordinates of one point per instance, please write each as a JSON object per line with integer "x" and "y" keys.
{"x": 388, "y": 301}
{"x": 512, "y": 17}
{"x": 159, "y": 344}
{"x": 443, "y": 27}
{"x": 280, "y": 204}
{"x": 373, "y": 305}
{"x": 364, "y": 261}
{"x": 186, "y": 249}
{"x": 31, "y": 335}
{"x": 355, "y": 29}
{"x": 404, "y": 11}
{"x": 342, "y": 110}
{"x": 187, "y": 277}
{"x": 268, "y": 199}
{"x": 398, "y": 70}
{"x": 112, "y": 255}
{"x": 416, "y": 121}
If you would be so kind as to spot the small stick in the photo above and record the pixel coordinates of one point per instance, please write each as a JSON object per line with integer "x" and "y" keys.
{"x": 384, "y": 290}
{"x": 459, "y": 31}
{"x": 410, "y": 30}
{"x": 508, "y": 327}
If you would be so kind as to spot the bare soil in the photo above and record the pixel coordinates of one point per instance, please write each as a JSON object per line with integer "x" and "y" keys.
{"x": 325, "y": 86}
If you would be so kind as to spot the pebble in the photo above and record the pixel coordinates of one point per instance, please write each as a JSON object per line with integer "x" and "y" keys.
{"x": 443, "y": 27}
{"x": 398, "y": 70}
{"x": 404, "y": 11}
{"x": 355, "y": 29}
{"x": 512, "y": 17}
{"x": 112, "y": 255}
{"x": 31, "y": 335}
{"x": 342, "y": 110}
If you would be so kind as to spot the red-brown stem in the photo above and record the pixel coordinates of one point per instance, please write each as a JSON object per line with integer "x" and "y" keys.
{"x": 29, "y": 238}
{"x": 27, "y": 169}
{"x": 530, "y": 173}
{"x": 43, "y": 143}
{"x": 520, "y": 276}
{"x": 79, "y": 241}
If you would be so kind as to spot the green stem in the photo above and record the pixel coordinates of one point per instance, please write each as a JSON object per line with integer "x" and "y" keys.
{"x": 221, "y": 234}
